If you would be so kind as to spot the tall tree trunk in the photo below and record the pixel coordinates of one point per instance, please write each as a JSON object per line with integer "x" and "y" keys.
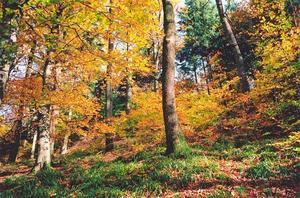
{"x": 156, "y": 61}
{"x": 17, "y": 131}
{"x": 172, "y": 128}
{"x": 6, "y": 45}
{"x": 46, "y": 114}
{"x": 157, "y": 57}
{"x": 3, "y": 80}
{"x": 64, "y": 148}
{"x": 44, "y": 147}
{"x": 43, "y": 128}
{"x": 128, "y": 88}
{"x": 238, "y": 57}
{"x": 109, "y": 91}
{"x": 28, "y": 72}
{"x": 109, "y": 94}
{"x": 16, "y": 145}
{"x": 54, "y": 112}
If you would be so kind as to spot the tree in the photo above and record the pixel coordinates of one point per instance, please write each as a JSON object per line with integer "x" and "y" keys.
{"x": 109, "y": 91}
{"x": 8, "y": 16}
{"x": 44, "y": 145}
{"x": 172, "y": 128}
{"x": 109, "y": 105}
{"x": 239, "y": 60}
{"x": 16, "y": 130}
{"x": 198, "y": 23}
{"x": 293, "y": 9}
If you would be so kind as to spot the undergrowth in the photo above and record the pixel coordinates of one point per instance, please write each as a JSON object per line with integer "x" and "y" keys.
{"x": 151, "y": 173}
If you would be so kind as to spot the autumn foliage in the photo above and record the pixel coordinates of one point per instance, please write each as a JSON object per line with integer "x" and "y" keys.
{"x": 62, "y": 55}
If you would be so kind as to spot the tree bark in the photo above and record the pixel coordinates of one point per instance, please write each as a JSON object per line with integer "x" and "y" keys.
{"x": 156, "y": 60}
{"x": 172, "y": 128}
{"x": 54, "y": 112}
{"x": 128, "y": 94}
{"x": 195, "y": 73}
{"x": 7, "y": 30}
{"x": 17, "y": 138}
{"x": 18, "y": 123}
{"x": 52, "y": 143}
{"x": 109, "y": 142}
{"x": 17, "y": 131}
{"x": 6, "y": 44}
{"x": 43, "y": 129}
{"x": 128, "y": 88}
{"x": 16, "y": 145}
{"x": 46, "y": 113}
{"x": 64, "y": 148}
{"x": 295, "y": 13}
{"x": 206, "y": 76}
{"x": 238, "y": 57}
{"x": 209, "y": 70}
{"x": 109, "y": 91}
{"x": 33, "y": 148}
{"x": 44, "y": 148}
{"x": 109, "y": 94}
{"x": 157, "y": 57}
{"x": 30, "y": 60}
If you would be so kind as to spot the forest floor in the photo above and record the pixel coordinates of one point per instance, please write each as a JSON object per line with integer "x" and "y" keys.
{"x": 224, "y": 170}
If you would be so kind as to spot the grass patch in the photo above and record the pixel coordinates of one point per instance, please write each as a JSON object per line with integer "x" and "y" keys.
{"x": 24, "y": 187}
{"x": 150, "y": 173}
{"x": 49, "y": 177}
{"x": 260, "y": 171}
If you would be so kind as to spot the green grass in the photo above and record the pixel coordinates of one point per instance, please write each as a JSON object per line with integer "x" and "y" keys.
{"x": 260, "y": 171}
{"x": 241, "y": 190}
{"x": 220, "y": 194}
{"x": 151, "y": 173}
{"x": 24, "y": 187}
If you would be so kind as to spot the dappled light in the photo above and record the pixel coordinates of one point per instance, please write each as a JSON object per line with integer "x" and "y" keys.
{"x": 167, "y": 98}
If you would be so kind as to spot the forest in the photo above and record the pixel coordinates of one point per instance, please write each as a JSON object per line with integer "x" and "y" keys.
{"x": 149, "y": 98}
